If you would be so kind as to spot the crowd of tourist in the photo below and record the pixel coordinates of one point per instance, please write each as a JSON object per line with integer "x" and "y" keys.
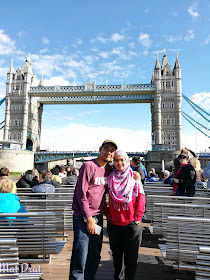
{"x": 123, "y": 180}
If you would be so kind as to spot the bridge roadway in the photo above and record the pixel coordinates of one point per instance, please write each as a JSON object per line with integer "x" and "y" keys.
{"x": 95, "y": 94}
{"x": 41, "y": 157}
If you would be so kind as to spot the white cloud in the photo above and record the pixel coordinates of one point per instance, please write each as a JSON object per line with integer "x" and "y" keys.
{"x": 101, "y": 39}
{"x": 3, "y": 72}
{"x": 144, "y": 39}
{"x": 44, "y": 50}
{"x": 21, "y": 34}
{"x": 206, "y": 42}
{"x": 122, "y": 53}
{"x": 174, "y": 13}
{"x": 132, "y": 45}
{"x": 90, "y": 59}
{"x": 116, "y": 37}
{"x": 74, "y": 134}
{"x": 192, "y": 10}
{"x": 202, "y": 99}
{"x": 47, "y": 64}
{"x": 173, "y": 38}
{"x": 7, "y": 46}
{"x": 132, "y": 54}
{"x": 190, "y": 35}
{"x": 104, "y": 54}
{"x": 45, "y": 40}
{"x": 79, "y": 42}
{"x": 54, "y": 81}
{"x": 145, "y": 52}
{"x": 2, "y": 92}
{"x": 115, "y": 70}
{"x": 195, "y": 141}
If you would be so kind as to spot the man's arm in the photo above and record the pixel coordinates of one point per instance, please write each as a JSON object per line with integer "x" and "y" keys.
{"x": 81, "y": 194}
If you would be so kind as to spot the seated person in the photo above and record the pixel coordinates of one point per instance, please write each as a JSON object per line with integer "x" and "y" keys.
{"x": 9, "y": 202}
{"x": 71, "y": 179}
{"x": 68, "y": 171}
{"x": 62, "y": 171}
{"x": 45, "y": 185}
{"x": 164, "y": 175}
{"x": 29, "y": 179}
{"x": 168, "y": 179}
{"x": 56, "y": 180}
{"x": 4, "y": 174}
{"x": 152, "y": 178}
{"x": 153, "y": 171}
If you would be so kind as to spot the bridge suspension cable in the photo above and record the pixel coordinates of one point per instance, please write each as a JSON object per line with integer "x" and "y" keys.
{"x": 184, "y": 114}
{"x": 196, "y": 108}
{"x": 188, "y": 119}
{"x": 2, "y": 101}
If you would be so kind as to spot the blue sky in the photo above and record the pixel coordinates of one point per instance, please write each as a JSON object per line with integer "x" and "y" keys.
{"x": 119, "y": 37}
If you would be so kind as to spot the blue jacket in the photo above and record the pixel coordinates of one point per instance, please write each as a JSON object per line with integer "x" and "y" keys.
{"x": 168, "y": 180}
{"x": 10, "y": 203}
{"x": 151, "y": 179}
{"x": 44, "y": 187}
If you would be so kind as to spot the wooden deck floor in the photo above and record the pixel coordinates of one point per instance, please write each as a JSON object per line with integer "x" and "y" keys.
{"x": 151, "y": 264}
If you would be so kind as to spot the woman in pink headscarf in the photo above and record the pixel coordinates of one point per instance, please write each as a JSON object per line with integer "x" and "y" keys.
{"x": 125, "y": 211}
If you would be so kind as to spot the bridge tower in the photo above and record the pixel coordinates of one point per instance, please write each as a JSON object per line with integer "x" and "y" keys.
{"x": 23, "y": 113}
{"x": 166, "y": 107}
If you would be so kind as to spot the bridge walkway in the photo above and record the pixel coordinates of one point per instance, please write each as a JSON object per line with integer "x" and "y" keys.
{"x": 151, "y": 264}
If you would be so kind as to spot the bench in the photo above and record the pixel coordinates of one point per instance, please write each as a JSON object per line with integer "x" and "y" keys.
{"x": 66, "y": 189}
{"x": 62, "y": 209}
{"x": 59, "y": 195}
{"x": 9, "y": 262}
{"x": 35, "y": 234}
{"x": 184, "y": 235}
{"x": 165, "y": 189}
{"x": 203, "y": 263}
{"x": 151, "y": 199}
{"x": 161, "y": 211}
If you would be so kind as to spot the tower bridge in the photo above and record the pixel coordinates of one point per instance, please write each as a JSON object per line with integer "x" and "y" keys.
{"x": 26, "y": 96}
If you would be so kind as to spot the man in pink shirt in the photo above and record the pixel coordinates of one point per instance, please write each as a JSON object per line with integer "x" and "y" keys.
{"x": 88, "y": 205}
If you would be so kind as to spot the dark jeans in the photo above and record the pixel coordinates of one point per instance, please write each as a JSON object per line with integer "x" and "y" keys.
{"x": 124, "y": 241}
{"x": 86, "y": 250}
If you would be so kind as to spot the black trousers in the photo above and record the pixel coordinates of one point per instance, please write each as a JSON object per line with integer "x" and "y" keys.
{"x": 124, "y": 242}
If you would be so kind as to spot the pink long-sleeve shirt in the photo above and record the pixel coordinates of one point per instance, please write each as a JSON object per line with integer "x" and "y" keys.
{"x": 89, "y": 197}
{"x": 124, "y": 213}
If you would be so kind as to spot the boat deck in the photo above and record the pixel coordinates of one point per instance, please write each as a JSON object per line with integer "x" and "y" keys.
{"x": 151, "y": 264}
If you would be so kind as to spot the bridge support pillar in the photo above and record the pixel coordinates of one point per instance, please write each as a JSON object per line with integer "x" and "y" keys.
{"x": 154, "y": 159}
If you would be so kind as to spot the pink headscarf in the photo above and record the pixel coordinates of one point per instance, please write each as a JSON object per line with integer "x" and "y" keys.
{"x": 121, "y": 184}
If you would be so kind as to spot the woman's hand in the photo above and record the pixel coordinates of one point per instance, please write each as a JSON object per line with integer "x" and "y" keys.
{"x": 109, "y": 217}
{"x": 138, "y": 222}
{"x": 136, "y": 175}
